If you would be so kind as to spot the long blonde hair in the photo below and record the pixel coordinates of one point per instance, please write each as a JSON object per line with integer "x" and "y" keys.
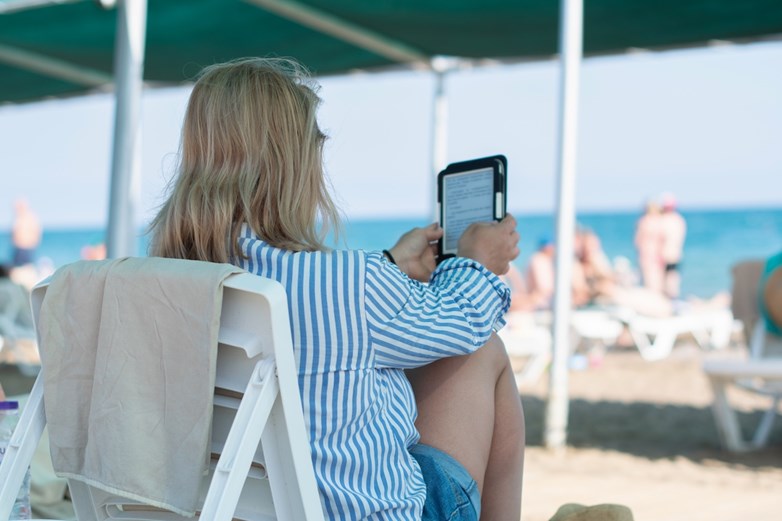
{"x": 251, "y": 152}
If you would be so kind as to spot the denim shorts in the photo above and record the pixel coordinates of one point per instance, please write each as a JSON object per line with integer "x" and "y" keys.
{"x": 451, "y": 493}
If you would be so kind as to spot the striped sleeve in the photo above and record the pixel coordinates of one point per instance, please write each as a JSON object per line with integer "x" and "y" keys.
{"x": 412, "y": 324}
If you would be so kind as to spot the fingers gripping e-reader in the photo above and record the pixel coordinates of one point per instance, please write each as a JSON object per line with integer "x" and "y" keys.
{"x": 468, "y": 192}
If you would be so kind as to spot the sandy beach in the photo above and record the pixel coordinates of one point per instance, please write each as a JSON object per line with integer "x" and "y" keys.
{"x": 641, "y": 434}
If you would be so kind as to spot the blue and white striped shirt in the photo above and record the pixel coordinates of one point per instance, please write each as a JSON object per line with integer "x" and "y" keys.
{"x": 357, "y": 322}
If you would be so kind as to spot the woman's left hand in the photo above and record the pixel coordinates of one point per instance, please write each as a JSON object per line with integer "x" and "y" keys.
{"x": 416, "y": 250}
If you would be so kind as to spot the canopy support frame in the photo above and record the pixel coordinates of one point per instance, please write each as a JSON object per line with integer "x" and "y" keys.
{"x": 53, "y": 67}
{"x": 571, "y": 50}
{"x": 327, "y": 23}
{"x": 126, "y": 166}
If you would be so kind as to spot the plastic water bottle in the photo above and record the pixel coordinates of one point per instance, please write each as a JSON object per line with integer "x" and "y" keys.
{"x": 9, "y": 416}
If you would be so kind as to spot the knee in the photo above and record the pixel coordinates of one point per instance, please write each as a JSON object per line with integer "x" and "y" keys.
{"x": 495, "y": 353}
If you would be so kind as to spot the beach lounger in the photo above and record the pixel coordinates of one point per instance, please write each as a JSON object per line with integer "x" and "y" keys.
{"x": 594, "y": 328}
{"x": 527, "y": 335}
{"x": 655, "y": 337}
{"x": 261, "y": 466}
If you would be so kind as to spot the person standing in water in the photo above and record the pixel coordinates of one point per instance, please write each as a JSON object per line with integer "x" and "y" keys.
{"x": 648, "y": 244}
{"x": 26, "y": 234}
{"x": 674, "y": 231}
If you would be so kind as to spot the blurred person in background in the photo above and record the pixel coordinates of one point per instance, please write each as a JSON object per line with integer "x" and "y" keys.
{"x": 26, "y": 234}
{"x": 648, "y": 244}
{"x": 674, "y": 231}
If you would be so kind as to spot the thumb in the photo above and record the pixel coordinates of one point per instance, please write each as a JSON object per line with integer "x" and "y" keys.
{"x": 433, "y": 232}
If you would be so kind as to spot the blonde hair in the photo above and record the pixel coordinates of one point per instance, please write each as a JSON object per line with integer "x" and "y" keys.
{"x": 251, "y": 152}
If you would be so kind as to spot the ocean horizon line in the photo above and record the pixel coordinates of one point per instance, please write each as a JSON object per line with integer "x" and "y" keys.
{"x": 716, "y": 239}
{"x": 535, "y": 214}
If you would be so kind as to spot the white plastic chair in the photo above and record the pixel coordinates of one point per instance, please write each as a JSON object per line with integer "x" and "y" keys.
{"x": 759, "y": 374}
{"x": 264, "y": 470}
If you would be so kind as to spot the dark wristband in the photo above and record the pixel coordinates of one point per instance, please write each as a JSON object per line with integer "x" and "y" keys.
{"x": 389, "y": 256}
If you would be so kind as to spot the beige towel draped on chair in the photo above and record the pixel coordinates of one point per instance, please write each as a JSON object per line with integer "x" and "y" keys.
{"x": 148, "y": 365}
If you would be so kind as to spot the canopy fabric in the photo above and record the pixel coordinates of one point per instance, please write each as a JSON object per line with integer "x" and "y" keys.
{"x": 73, "y": 42}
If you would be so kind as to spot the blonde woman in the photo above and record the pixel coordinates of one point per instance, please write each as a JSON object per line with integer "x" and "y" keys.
{"x": 444, "y": 440}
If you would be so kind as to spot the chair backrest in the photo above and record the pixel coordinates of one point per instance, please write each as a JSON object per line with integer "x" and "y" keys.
{"x": 261, "y": 467}
{"x": 745, "y": 304}
{"x": 744, "y": 294}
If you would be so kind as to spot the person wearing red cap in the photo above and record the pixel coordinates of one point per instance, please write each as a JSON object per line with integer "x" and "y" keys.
{"x": 674, "y": 231}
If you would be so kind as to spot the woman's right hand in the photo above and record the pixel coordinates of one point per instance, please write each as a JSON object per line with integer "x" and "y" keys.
{"x": 415, "y": 252}
{"x": 493, "y": 244}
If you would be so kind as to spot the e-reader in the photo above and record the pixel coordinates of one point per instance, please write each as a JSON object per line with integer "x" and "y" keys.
{"x": 468, "y": 192}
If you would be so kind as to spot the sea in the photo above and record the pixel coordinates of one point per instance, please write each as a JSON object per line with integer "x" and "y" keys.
{"x": 716, "y": 239}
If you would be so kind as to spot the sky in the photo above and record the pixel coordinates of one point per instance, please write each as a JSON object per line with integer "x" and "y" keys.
{"x": 704, "y": 124}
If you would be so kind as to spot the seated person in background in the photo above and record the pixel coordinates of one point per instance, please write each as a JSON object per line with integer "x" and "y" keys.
{"x": 594, "y": 282}
{"x": 597, "y": 267}
{"x": 540, "y": 275}
{"x": 520, "y": 298}
{"x": 771, "y": 295}
{"x": 407, "y": 391}
{"x": 591, "y": 269}
{"x": 16, "y": 318}
{"x": 540, "y": 278}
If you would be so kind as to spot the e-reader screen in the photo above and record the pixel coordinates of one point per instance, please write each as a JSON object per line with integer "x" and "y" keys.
{"x": 467, "y": 197}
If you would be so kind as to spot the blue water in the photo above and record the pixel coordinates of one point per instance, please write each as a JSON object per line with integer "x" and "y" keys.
{"x": 716, "y": 239}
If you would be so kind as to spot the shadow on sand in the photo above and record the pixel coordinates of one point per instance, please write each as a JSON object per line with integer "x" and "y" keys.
{"x": 653, "y": 431}
{"x": 648, "y": 430}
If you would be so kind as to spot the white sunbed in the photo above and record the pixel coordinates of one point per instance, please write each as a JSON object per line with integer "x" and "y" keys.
{"x": 594, "y": 328}
{"x": 655, "y": 337}
{"x": 528, "y": 335}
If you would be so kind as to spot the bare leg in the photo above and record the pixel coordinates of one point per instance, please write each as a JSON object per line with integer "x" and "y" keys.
{"x": 672, "y": 283}
{"x": 468, "y": 406}
{"x": 652, "y": 274}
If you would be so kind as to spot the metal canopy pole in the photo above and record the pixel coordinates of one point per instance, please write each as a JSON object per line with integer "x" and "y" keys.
{"x": 125, "y": 167}
{"x": 570, "y": 45}
{"x": 441, "y": 66}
